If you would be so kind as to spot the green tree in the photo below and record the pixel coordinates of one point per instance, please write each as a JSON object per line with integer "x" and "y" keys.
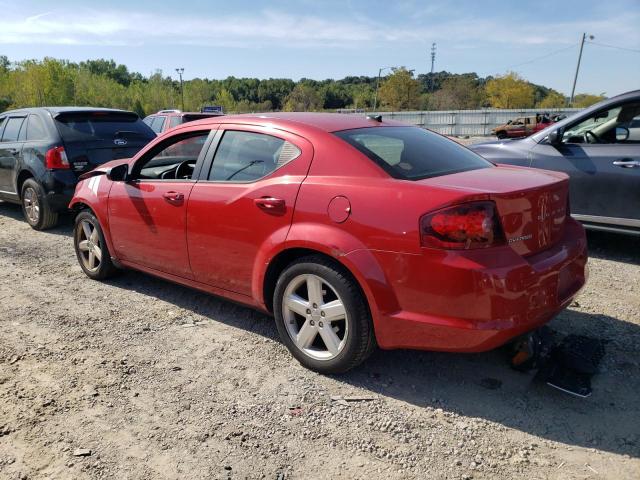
{"x": 583, "y": 100}
{"x": 303, "y": 98}
{"x": 553, "y": 100}
{"x": 400, "y": 91}
{"x": 509, "y": 91}
{"x": 457, "y": 93}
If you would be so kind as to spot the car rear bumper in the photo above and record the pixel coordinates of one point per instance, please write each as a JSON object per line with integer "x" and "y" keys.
{"x": 477, "y": 300}
{"x": 59, "y": 186}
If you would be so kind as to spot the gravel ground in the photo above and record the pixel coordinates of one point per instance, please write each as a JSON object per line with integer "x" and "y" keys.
{"x": 137, "y": 378}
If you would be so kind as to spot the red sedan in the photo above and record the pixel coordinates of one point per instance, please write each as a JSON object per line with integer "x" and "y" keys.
{"x": 353, "y": 232}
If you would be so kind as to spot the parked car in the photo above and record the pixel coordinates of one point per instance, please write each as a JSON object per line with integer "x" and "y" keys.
{"x": 351, "y": 231}
{"x": 523, "y": 126}
{"x": 44, "y": 150}
{"x": 165, "y": 119}
{"x": 599, "y": 148}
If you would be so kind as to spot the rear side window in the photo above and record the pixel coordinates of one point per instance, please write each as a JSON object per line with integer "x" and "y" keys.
{"x": 35, "y": 129}
{"x": 249, "y": 156}
{"x": 174, "y": 121}
{"x": 412, "y": 153}
{"x": 158, "y": 124}
{"x": 12, "y": 129}
{"x": 92, "y": 126}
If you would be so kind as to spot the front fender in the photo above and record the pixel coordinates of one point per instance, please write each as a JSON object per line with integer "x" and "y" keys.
{"x": 94, "y": 193}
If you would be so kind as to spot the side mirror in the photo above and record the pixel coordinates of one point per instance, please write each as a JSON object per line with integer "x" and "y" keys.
{"x": 622, "y": 134}
{"x": 554, "y": 137}
{"x": 119, "y": 173}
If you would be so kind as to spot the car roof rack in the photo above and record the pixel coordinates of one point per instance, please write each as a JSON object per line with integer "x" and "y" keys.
{"x": 170, "y": 110}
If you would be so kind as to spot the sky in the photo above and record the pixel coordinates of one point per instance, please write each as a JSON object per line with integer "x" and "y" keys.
{"x": 321, "y": 39}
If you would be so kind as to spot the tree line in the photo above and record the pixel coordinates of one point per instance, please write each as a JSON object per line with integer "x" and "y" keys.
{"x": 107, "y": 84}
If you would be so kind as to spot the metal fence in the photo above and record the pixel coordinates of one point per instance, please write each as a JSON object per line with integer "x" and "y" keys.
{"x": 464, "y": 122}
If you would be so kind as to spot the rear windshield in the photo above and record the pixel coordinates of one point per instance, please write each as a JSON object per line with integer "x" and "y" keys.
{"x": 95, "y": 126}
{"x": 412, "y": 153}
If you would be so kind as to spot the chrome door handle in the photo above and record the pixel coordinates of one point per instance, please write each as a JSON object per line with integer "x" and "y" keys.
{"x": 627, "y": 163}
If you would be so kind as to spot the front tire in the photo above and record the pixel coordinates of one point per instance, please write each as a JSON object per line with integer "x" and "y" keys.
{"x": 91, "y": 249}
{"x": 322, "y": 316}
{"x": 501, "y": 135}
{"x": 35, "y": 207}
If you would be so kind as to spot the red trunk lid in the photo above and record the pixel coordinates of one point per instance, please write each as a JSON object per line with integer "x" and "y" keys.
{"x": 532, "y": 203}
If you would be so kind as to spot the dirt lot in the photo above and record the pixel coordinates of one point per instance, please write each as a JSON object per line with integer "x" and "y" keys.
{"x": 159, "y": 381}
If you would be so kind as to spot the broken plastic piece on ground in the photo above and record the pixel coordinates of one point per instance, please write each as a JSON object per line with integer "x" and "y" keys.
{"x": 567, "y": 365}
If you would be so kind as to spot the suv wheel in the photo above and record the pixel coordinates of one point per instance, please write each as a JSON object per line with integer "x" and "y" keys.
{"x": 501, "y": 135}
{"x": 91, "y": 249}
{"x": 322, "y": 316}
{"x": 35, "y": 206}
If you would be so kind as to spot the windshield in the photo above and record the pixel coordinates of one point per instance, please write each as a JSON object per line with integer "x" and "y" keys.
{"x": 412, "y": 153}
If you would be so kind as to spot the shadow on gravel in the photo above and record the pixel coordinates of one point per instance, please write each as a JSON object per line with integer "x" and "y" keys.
{"x": 612, "y": 246}
{"x": 474, "y": 385}
{"x": 14, "y": 211}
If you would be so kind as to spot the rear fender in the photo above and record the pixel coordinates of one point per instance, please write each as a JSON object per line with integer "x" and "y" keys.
{"x": 342, "y": 247}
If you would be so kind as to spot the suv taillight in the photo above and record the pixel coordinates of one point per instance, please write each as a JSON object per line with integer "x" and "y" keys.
{"x": 56, "y": 158}
{"x": 462, "y": 227}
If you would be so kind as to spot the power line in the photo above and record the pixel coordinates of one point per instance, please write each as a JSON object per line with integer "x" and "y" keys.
{"x": 544, "y": 56}
{"x": 613, "y": 46}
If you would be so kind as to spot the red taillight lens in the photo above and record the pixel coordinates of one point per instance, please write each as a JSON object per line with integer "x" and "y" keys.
{"x": 466, "y": 226}
{"x": 56, "y": 158}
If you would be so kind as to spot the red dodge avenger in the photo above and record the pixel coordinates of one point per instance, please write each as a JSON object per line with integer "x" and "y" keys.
{"x": 352, "y": 231}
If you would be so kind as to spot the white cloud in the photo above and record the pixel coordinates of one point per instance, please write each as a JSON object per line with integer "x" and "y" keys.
{"x": 85, "y": 26}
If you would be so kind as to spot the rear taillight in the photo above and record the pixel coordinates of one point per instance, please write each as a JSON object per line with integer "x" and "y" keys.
{"x": 466, "y": 226}
{"x": 56, "y": 158}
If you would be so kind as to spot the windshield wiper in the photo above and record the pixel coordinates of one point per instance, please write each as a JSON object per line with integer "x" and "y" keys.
{"x": 250, "y": 164}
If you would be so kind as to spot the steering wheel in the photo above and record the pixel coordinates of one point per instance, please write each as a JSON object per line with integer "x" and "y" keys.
{"x": 185, "y": 170}
{"x": 589, "y": 134}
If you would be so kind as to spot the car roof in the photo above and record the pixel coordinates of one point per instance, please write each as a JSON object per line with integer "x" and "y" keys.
{"x": 328, "y": 122}
{"x": 57, "y": 110}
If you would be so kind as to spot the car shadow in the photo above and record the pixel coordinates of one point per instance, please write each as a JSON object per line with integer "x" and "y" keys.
{"x": 14, "y": 211}
{"x": 614, "y": 246}
{"x": 472, "y": 385}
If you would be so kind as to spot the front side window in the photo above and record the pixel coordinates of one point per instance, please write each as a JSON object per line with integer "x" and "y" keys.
{"x": 173, "y": 159}
{"x": 35, "y": 129}
{"x": 600, "y": 127}
{"x": 12, "y": 129}
{"x": 249, "y": 156}
{"x": 412, "y": 153}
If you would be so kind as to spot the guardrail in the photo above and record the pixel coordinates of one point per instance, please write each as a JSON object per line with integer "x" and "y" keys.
{"x": 464, "y": 122}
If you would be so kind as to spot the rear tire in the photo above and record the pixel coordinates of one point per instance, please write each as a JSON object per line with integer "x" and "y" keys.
{"x": 35, "y": 207}
{"x": 91, "y": 249}
{"x": 322, "y": 316}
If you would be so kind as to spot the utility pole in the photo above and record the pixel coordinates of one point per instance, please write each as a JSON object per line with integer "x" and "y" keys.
{"x": 575, "y": 78}
{"x": 375, "y": 98}
{"x": 433, "y": 61}
{"x": 180, "y": 72}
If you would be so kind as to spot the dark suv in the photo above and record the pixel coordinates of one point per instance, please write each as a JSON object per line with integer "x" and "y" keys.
{"x": 44, "y": 150}
{"x": 165, "y": 119}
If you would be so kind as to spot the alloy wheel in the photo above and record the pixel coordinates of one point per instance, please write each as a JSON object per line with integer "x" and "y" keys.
{"x": 31, "y": 205}
{"x": 89, "y": 246}
{"x": 315, "y": 317}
